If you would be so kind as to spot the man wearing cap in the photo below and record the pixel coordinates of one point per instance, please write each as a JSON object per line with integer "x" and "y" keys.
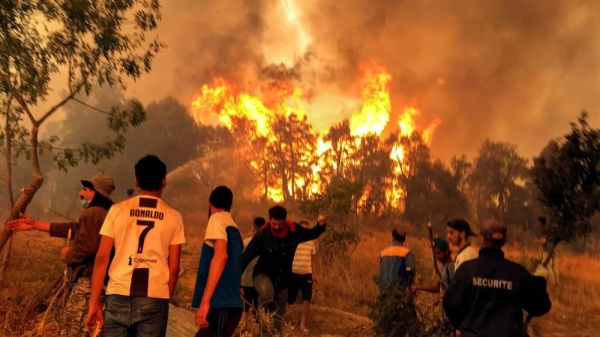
{"x": 218, "y": 283}
{"x": 94, "y": 196}
{"x": 488, "y": 294}
{"x": 397, "y": 262}
{"x": 458, "y": 232}
{"x": 443, "y": 256}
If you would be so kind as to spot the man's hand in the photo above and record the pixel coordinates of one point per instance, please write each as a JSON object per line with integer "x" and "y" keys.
{"x": 322, "y": 219}
{"x": 63, "y": 252}
{"x": 25, "y": 223}
{"x": 201, "y": 314}
{"x": 94, "y": 318}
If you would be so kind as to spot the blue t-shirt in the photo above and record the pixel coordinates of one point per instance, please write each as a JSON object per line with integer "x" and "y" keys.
{"x": 227, "y": 293}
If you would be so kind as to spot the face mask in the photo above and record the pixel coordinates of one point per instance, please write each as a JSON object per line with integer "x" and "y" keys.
{"x": 84, "y": 202}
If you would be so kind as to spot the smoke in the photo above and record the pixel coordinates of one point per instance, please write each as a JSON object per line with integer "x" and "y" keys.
{"x": 515, "y": 71}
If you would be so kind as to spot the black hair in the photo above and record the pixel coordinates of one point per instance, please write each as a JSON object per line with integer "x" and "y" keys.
{"x": 542, "y": 220}
{"x": 398, "y": 236}
{"x": 277, "y": 212}
{"x": 221, "y": 197}
{"x": 150, "y": 172}
{"x": 259, "y": 222}
{"x": 461, "y": 225}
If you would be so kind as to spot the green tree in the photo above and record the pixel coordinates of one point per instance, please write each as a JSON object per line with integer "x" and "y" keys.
{"x": 567, "y": 175}
{"x": 498, "y": 170}
{"x": 87, "y": 43}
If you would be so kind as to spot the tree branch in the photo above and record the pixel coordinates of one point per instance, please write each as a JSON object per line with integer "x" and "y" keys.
{"x": 62, "y": 102}
{"x": 90, "y": 106}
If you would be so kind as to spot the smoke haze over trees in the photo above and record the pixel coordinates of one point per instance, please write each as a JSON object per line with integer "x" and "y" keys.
{"x": 514, "y": 71}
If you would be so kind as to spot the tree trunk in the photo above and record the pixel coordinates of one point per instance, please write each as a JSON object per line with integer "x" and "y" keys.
{"x": 29, "y": 191}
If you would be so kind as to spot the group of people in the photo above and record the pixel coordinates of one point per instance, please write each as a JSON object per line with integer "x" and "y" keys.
{"x": 484, "y": 294}
{"x": 124, "y": 260}
{"x": 124, "y": 263}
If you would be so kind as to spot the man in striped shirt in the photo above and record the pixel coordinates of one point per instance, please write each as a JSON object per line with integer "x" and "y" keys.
{"x": 303, "y": 277}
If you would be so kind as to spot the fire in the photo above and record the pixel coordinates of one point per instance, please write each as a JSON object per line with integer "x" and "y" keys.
{"x": 375, "y": 112}
{"x": 301, "y": 163}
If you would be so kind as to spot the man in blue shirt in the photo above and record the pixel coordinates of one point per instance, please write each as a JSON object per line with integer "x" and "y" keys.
{"x": 217, "y": 294}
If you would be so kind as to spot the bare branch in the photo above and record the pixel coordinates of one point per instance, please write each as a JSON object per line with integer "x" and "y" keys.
{"x": 90, "y": 106}
{"x": 62, "y": 102}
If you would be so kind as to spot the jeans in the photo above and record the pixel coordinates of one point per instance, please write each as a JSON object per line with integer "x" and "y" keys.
{"x": 126, "y": 316}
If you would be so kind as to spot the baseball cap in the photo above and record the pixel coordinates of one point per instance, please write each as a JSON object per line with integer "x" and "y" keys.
{"x": 100, "y": 183}
{"x": 441, "y": 244}
{"x": 493, "y": 231}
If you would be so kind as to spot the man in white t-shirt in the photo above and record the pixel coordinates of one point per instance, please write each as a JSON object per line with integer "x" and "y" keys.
{"x": 303, "y": 277}
{"x": 458, "y": 232}
{"x": 147, "y": 235}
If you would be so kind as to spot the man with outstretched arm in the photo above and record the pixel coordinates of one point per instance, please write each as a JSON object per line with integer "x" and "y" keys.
{"x": 94, "y": 197}
{"x": 275, "y": 246}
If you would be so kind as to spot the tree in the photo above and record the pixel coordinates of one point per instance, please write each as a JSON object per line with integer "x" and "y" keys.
{"x": 88, "y": 43}
{"x": 567, "y": 175}
{"x": 497, "y": 171}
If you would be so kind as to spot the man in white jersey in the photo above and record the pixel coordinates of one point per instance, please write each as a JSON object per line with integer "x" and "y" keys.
{"x": 147, "y": 235}
{"x": 458, "y": 232}
{"x": 303, "y": 277}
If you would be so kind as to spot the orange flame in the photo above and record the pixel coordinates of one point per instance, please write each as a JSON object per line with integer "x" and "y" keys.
{"x": 375, "y": 112}
{"x": 285, "y": 99}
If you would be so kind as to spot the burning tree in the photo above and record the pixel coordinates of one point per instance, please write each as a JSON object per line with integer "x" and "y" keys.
{"x": 295, "y": 163}
{"x": 567, "y": 175}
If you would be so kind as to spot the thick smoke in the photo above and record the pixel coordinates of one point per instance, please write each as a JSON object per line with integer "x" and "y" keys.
{"x": 514, "y": 71}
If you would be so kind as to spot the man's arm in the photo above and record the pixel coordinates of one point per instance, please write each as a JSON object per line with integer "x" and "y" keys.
{"x": 536, "y": 301}
{"x": 217, "y": 264}
{"x": 26, "y": 223}
{"x": 313, "y": 264}
{"x": 251, "y": 251}
{"x": 303, "y": 234}
{"x": 455, "y": 297}
{"x": 100, "y": 266}
{"x": 87, "y": 241}
{"x": 174, "y": 261}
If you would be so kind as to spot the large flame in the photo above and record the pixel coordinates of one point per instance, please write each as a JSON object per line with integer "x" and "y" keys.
{"x": 376, "y": 108}
{"x": 328, "y": 156}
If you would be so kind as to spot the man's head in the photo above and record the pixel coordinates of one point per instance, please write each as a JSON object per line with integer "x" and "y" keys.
{"x": 258, "y": 223}
{"x": 150, "y": 173}
{"x": 277, "y": 218}
{"x": 442, "y": 249}
{"x": 458, "y": 232}
{"x": 100, "y": 183}
{"x": 221, "y": 198}
{"x": 493, "y": 233}
{"x": 398, "y": 236}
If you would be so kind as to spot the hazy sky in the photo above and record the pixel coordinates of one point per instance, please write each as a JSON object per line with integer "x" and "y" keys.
{"x": 515, "y": 71}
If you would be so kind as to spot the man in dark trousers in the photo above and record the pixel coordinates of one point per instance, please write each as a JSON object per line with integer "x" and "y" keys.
{"x": 488, "y": 294}
{"x": 275, "y": 246}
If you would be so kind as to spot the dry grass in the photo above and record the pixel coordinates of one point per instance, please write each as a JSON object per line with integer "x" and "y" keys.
{"x": 344, "y": 283}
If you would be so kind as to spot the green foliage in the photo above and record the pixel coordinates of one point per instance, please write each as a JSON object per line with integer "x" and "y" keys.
{"x": 338, "y": 243}
{"x": 394, "y": 313}
{"x": 497, "y": 172}
{"x": 567, "y": 175}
